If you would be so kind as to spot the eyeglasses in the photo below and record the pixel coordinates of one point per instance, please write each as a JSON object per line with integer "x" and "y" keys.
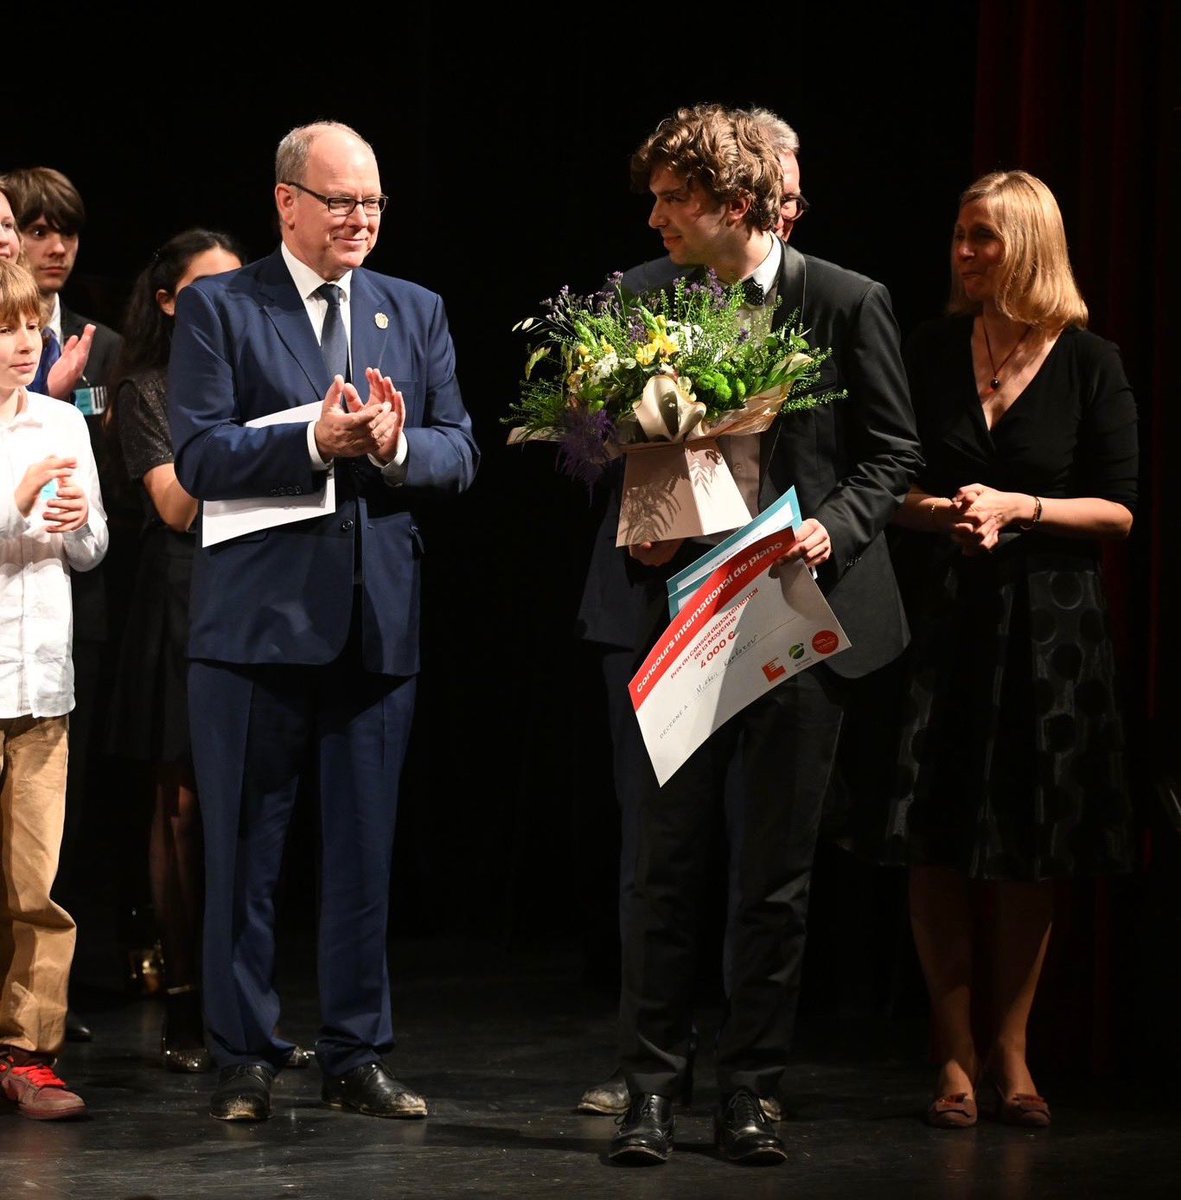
{"x": 342, "y": 206}
{"x": 801, "y": 206}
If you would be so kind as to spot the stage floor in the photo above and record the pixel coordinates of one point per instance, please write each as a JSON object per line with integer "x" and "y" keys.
{"x": 502, "y": 1044}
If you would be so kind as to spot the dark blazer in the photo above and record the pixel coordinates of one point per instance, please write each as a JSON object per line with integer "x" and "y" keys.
{"x": 104, "y": 350}
{"x": 244, "y": 348}
{"x": 91, "y": 611}
{"x": 851, "y": 461}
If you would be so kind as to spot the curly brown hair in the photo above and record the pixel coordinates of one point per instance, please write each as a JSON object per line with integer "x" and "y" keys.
{"x": 725, "y": 151}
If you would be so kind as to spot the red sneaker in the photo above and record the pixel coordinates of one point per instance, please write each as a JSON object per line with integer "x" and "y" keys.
{"x": 37, "y": 1092}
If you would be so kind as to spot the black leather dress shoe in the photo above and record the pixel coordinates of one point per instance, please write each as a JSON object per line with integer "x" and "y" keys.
{"x": 243, "y": 1093}
{"x": 372, "y": 1089}
{"x": 645, "y": 1132}
{"x": 608, "y": 1098}
{"x": 744, "y": 1134}
{"x": 76, "y": 1029}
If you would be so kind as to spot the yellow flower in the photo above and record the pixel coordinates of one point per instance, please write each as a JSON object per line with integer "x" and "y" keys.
{"x": 661, "y": 343}
{"x": 666, "y": 344}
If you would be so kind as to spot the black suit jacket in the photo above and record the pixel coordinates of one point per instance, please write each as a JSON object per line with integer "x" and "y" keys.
{"x": 851, "y": 461}
{"x": 104, "y": 350}
{"x": 91, "y": 616}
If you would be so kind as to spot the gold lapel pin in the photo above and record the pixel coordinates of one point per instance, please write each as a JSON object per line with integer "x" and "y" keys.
{"x": 381, "y": 320}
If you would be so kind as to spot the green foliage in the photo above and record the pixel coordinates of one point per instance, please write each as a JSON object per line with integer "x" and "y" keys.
{"x": 591, "y": 357}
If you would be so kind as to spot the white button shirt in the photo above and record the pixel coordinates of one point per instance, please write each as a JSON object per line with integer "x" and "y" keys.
{"x": 741, "y": 452}
{"x": 36, "y": 611}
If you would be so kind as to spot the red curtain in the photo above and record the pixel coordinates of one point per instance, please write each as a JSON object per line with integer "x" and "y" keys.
{"x": 1083, "y": 95}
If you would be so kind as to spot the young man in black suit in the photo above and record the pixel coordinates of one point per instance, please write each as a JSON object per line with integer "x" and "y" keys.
{"x": 717, "y": 188}
{"x": 610, "y": 1096}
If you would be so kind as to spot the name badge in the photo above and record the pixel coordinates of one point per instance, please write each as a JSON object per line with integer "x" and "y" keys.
{"x": 90, "y": 401}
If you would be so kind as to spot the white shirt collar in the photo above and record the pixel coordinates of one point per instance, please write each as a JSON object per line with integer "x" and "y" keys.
{"x": 767, "y": 272}
{"x": 306, "y": 280}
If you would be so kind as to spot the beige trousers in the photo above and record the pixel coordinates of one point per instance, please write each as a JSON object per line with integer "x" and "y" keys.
{"x": 36, "y": 935}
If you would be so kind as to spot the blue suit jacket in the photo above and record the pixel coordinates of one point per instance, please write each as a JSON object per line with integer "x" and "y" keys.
{"x": 243, "y": 347}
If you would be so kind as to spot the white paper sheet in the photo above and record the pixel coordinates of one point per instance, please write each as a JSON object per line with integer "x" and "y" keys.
{"x": 743, "y": 632}
{"x": 225, "y": 519}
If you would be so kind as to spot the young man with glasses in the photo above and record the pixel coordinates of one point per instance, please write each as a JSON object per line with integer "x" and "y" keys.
{"x": 306, "y": 633}
{"x": 766, "y": 771}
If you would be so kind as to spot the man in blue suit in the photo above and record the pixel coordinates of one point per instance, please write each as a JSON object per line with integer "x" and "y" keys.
{"x": 304, "y": 638}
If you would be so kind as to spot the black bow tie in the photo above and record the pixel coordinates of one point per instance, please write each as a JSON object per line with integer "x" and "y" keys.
{"x": 755, "y": 296}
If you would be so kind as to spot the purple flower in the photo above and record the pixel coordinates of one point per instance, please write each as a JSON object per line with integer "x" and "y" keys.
{"x": 582, "y": 453}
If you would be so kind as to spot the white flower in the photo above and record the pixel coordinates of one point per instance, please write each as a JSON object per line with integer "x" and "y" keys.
{"x": 605, "y": 367}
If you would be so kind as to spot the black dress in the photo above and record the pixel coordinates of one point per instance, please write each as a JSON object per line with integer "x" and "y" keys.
{"x": 149, "y": 714}
{"x": 1011, "y": 762}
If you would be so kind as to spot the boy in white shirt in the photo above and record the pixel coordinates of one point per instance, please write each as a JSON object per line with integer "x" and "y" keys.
{"x": 51, "y": 522}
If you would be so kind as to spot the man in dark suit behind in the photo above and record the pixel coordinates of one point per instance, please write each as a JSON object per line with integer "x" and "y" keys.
{"x": 717, "y": 187}
{"x": 306, "y": 634}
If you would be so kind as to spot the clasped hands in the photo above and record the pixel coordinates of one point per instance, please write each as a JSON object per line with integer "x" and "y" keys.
{"x": 67, "y": 509}
{"x": 350, "y": 428}
{"x": 980, "y": 513}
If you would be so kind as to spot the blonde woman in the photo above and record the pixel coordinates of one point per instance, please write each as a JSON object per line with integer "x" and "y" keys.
{"x": 1011, "y": 773}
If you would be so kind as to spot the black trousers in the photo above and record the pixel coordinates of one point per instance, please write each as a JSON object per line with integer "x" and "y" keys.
{"x": 766, "y": 772}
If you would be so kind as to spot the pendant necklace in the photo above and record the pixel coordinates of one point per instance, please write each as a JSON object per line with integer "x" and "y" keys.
{"x": 995, "y": 382}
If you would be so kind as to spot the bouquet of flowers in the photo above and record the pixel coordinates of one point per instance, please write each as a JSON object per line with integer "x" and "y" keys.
{"x": 611, "y": 371}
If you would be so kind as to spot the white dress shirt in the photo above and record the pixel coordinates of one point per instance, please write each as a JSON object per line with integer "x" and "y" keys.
{"x": 36, "y": 612}
{"x": 741, "y": 452}
{"x": 308, "y": 283}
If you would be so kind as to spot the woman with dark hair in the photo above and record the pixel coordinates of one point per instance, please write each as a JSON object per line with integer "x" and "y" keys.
{"x": 149, "y": 709}
{"x": 1012, "y": 770}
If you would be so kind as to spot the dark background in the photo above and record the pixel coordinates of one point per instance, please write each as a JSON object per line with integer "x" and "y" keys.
{"x": 503, "y": 141}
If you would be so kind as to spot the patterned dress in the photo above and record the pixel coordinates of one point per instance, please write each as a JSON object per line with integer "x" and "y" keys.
{"x": 1011, "y": 763}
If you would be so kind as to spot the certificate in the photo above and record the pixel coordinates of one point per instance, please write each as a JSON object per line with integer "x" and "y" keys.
{"x": 750, "y": 625}
{"x": 225, "y": 519}
{"x": 783, "y": 513}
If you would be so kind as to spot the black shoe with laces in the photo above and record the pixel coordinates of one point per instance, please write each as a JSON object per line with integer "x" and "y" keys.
{"x": 372, "y": 1089}
{"x": 744, "y": 1135}
{"x": 645, "y": 1131}
{"x": 243, "y": 1093}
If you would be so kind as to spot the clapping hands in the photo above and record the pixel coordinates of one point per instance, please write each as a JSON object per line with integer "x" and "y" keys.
{"x": 350, "y": 428}
{"x": 69, "y": 370}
